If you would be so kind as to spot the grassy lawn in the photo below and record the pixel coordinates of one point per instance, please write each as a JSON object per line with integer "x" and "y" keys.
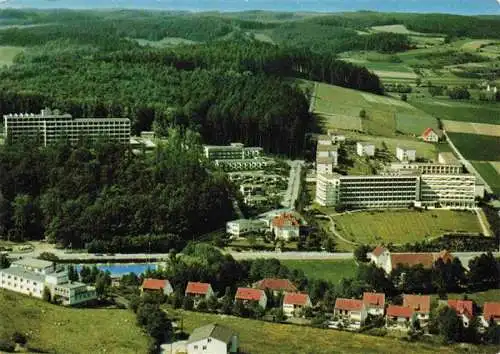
{"x": 330, "y": 270}
{"x": 258, "y": 337}
{"x": 403, "y": 226}
{"x": 57, "y": 329}
{"x": 479, "y": 297}
{"x": 489, "y": 173}
{"x": 477, "y": 147}
{"x": 8, "y": 53}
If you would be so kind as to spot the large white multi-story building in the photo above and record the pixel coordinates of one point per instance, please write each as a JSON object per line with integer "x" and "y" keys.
{"x": 257, "y": 163}
{"x": 31, "y": 276}
{"x": 448, "y": 191}
{"x": 406, "y": 154}
{"x": 49, "y": 127}
{"x": 234, "y": 151}
{"x": 428, "y": 167}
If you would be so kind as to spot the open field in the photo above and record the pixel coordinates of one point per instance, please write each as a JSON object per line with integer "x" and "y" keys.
{"x": 330, "y": 270}
{"x": 490, "y": 171}
{"x": 259, "y": 337}
{"x": 479, "y": 297}
{"x": 8, "y": 53}
{"x": 477, "y": 147}
{"x": 57, "y": 329}
{"x": 340, "y": 108}
{"x": 452, "y": 126}
{"x": 402, "y": 226}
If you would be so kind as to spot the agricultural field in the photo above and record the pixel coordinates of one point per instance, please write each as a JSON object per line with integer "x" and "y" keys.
{"x": 402, "y": 226}
{"x": 340, "y": 108}
{"x": 56, "y": 329}
{"x": 477, "y": 147}
{"x": 7, "y": 54}
{"x": 487, "y": 113}
{"x": 330, "y": 270}
{"x": 490, "y": 171}
{"x": 452, "y": 126}
{"x": 258, "y": 337}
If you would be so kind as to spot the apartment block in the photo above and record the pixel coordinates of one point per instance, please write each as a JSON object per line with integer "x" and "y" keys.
{"x": 234, "y": 151}
{"x": 48, "y": 127}
{"x": 406, "y": 154}
{"x": 448, "y": 191}
{"x": 428, "y": 167}
{"x": 365, "y": 149}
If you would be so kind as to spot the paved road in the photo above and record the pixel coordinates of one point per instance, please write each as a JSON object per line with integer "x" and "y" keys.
{"x": 293, "y": 189}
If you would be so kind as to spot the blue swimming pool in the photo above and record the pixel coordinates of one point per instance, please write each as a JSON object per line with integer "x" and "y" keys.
{"x": 122, "y": 268}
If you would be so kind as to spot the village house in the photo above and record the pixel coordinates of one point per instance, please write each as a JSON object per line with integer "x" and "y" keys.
{"x": 420, "y": 304}
{"x": 430, "y": 136}
{"x": 275, "y": 285}
{"x": 398, "y": 316}
{"x": 285, "y": 227}
{"x": 295, "y": 303}
{"x": 249, "y": 295}
{"x": 199, "y": 291}
{"x": 464, "y": 310}
{"x": 491, "y": 312}
{"x": 212, "y": 339}
{"x": 161, "y": 286}
{"x": 350, "y": 310}
{"x": 374, "y": 303}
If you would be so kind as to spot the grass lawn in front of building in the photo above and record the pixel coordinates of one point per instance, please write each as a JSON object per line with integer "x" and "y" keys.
{"x": 330, "y": 270}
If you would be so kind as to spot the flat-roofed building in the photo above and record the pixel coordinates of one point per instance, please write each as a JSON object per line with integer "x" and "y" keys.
{"x": 365, "y": 149}
{"x": 406, "y": 154}
{"x": 22, "y": 281}
{"x": 324, "y": 165}
{"x": 242, "y": 227}
{"x": 234, "y": 151}
{"x": 448, "y": 191}
{"x": 448, "y": 158}
{"x": 428, "y": 167}
{"x": 257, "y": 163}
{"x": 49, "y": 127}
{"x": 36, "y": 265}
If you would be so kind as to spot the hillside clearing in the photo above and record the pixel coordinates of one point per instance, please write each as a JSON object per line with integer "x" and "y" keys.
{"x": 8, "y": 53}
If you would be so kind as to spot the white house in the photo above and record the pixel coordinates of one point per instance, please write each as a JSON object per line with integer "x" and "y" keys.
{"x": 294, "y": 303}
{"x": 430, "y": 136}
{"x": 374, "y": 303}
{"x": 162, "y": 286}
{"x": 398, "y": 317}
{"x": 350, "y": 310}
{"x": 381, "y": 257}
{"x": 240, "y": 227}
{"x": 212, "y": 339}
{"x": 248, "y": 295}
{"x": 22, "y": 281}
{"x": 285, "y": 227}
{"x": 365, "y": 149}
{"x": 406, "y": 154}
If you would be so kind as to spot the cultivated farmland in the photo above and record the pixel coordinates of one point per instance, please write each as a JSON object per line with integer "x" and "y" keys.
{"x": 477, "y": 147}
{"x": 471, "y": 128}
{"x": 460, "y": 111}
{"x": 402, "y": 226}
{"x": 490, "y": 171}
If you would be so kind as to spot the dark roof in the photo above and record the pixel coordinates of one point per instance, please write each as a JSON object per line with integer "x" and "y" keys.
{"x": 213, "y": 330}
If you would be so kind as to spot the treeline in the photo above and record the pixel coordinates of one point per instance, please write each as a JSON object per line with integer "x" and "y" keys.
{"x": 105, "y": 196}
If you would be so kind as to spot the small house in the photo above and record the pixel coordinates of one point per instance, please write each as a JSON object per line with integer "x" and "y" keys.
{"x": 374, "y": 303}
{"x": 491, "y": 312}
{"x": 350, "y": 310}
{"x": 294, "y": 303}
{"x": 430, "y": 136}
{"x": 286, "y": 227}
{"x": 464, "y": 310}
{"x": 275, "y": 285}
{"x": 420, "y": 304}
{"x": 161, "y": 286}
{"x": 199, "y": 291}
{"x": 365, "y": 149}
{"x": 249, "y": 295}
{"x": 213, "y": 339}
{"x": 398, "y": 316}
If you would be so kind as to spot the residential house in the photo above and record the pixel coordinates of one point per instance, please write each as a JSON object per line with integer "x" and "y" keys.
{"x": 374, "y": 303}
{"x": 406, "y": 154}
{"x": 275, "y": 285}
{"x": 365, "y": 149}
{"x": 240, "y": 227}
{"x": 491, "y": 312}
{"x": 249, "y": 295}
{"x": 294, "y": 303}
{"x": 420, "y": 304}
{"x": 285, "y": 227}
{"x": 350, "y": 310}
{"x": 398, "y": 316}
{"x": 380, "y": 256}
{"x": 430, "y": 136}
{"x": 198, "y": 291}
{"x": 161, "y": 286}
{"x": 464, "y": 310}
{"x": 213, "y": 339}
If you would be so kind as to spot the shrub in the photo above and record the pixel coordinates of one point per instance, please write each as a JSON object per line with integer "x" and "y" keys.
{"x": 7, "y": 346}
{"x": 19, "y": 338}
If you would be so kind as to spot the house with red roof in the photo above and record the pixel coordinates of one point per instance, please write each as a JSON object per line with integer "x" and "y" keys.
{"x": 420, "y": 304}
{"x": 275, "y": 285}
{"x": 350, "y": 310}
{"x": 249, "y": 295}
{"x": 491, "y": 312}
{"x": 380, "y": 256}
{"x": 398, "y": 316}
{"x": 285, "y": 226}
{"x": 374, "y": 303}
{"x": 294, "y": 303}
{"x": 161, "y": 286}
{"x": 198, "y": 291}
{"x": 430, "y": 135}
{"x": 464, "y": 310}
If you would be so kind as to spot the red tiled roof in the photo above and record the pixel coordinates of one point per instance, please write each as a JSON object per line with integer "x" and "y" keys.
{"x": 491, "y": 310}
{"x": 418, "y": 303}
{"x": 462, "y": 307}
{"x": 285, "y": 219}
{"x": 348, "y": 304}
{"x": 378, "y": 251}
{"x": 295, "y": 299}
{"x": 445, "y": 255}
{"x": 427, "y": 132}
{"x": 197, "y": 288}
{"x": 154, "y": 284}
{"x": 374, "y": 299}
{"x": 249, "y": 294}
{"x": 275, "y": 285}
{"x": 399, "y": 311}
{"x": 412, "y": 259}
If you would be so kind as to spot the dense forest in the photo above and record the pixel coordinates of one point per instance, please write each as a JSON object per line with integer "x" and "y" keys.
{"x": 105, "y": 197}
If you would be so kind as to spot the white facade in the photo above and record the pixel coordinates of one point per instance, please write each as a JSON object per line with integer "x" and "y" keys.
{"x": 431, "y": 136}
{"x": 293, "y": 310}
{"x": 206, "y": 346}
{"x": 49, "y": 127}
{"x": 22, "y": 281}
{"x": 448, "y": 191}
{"x": 406, "y": 154}
{"x": 235, "y": 151}
{"x": 382, "y": 260}
{"x": 365, "y": 149}
{"x": 241, "y": 227}
{"x": 428, "y": 168}
{"x": 356, "y": 317}
{"x": 287, "y": 232}
{"x": 244, "y": 164}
